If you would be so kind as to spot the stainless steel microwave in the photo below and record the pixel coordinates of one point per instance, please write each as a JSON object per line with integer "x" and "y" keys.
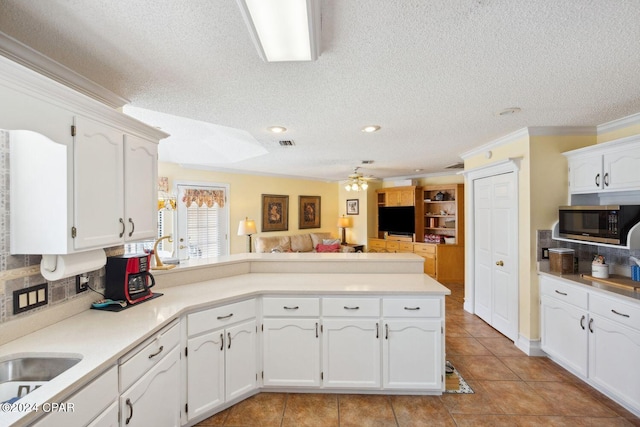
{"x": 600, "y": 224}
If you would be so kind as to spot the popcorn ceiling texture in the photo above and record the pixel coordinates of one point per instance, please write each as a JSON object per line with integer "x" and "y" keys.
{"x": 23, "y": 271}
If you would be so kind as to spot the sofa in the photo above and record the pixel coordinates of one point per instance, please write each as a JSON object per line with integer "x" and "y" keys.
{"x": 307, "y": 242}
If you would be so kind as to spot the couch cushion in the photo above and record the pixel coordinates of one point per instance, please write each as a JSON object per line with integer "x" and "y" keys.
{"x": 316, "y": 238}
{"x": 267, "y": 244}
{"x": 301, "y": 243}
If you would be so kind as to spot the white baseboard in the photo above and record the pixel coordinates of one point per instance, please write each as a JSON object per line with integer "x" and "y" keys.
{"x": 530, "y": 347}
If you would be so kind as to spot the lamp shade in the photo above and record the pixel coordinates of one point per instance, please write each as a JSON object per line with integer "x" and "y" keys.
{"x": 247, "y": 227}
{"x": 344, "y": 222}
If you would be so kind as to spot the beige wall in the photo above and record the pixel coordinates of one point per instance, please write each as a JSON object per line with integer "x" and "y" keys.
{"x": 620, "y": 133}
{"x": 542, "y": 187}
{"x": 245, "y": 196}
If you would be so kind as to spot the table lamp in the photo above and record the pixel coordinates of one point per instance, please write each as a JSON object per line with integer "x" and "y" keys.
{"x": 344, "y": 223}
{"x": 247, "y": 227}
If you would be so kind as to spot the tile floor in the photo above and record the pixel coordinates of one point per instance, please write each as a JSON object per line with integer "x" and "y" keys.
{"x": 511, "y": 389}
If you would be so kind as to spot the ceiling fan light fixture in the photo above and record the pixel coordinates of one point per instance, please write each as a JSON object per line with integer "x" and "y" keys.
{"x": 283, "y": 30}
{"x": 370, "y": 128}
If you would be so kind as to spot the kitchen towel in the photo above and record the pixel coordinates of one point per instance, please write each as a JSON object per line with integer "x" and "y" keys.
{"x": 56, "y": 267}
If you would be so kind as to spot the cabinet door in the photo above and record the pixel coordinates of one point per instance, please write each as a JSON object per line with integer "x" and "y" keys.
{"x": 291, "y": 350}
{"x": 614, "y": 351}
{"x": 621, "y": 171}
{"x": 154, "y": 400}
{"x": 564, "y": 334}
{"x": 97, "y": 185}
{"x": 141, "y": 190}
{"x": 109, "y": 418}
{"x": 429, "y": 264}
{"x": 585, "y": 174}
{"x": 406, "y": 198}
{"x": 412, "y": 354}
{"x": 351, "y": 353}
{"x": 205, "y": 372}
{"x": 241, "y": 367}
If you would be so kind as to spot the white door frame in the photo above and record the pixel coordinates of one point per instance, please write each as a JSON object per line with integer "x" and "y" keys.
{"x": 498, "y": 168}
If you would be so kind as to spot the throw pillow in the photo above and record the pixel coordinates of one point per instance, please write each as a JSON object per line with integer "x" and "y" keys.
{"x": 330, "y": 241}
{"x": 328, "y": 248}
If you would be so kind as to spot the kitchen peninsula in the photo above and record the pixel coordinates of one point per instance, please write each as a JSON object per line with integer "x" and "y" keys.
{"x": 366, "y": 323}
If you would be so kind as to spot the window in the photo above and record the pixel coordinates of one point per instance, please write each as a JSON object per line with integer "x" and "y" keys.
{"x": 202, "y": 221}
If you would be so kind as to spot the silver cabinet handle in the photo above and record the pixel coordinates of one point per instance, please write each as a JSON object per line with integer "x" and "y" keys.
{"x": 229, "y": 337}
{"x": 582, "y": 322}
{"x": 619, "y": 314}
{"x": 221, "y": 342}
{"x": 386, "y": 331}
{"x": 412, "y": 308}
{"x": 590, "y": 323}
{"x": 133, "y": 227}
{"x": 291, "y": 308}
{"x": 225, "y": 317}
{"x": 151, "y": 356}
{"x": 130, "y": 405}
{"x": 351, "y": 308}
{"x": 561, "y": 293}
{"x": 123, "y": 227}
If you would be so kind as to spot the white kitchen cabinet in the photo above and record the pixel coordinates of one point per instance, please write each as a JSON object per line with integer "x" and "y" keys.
{"x": 291, "y": 342}
{"x": 413, "y": 344}
{"x": 93, "y": 405}
{"x": 221, "y": 356}
{"x": 610, "y": 166}
{"x": 154, "y": 400}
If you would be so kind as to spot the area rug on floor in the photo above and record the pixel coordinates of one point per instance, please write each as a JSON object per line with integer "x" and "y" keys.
{"x": 454, "y": 383}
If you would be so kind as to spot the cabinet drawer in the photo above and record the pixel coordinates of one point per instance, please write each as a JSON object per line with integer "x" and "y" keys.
{"x": 405, "y": 247}
{"x": 377, "y": 244}
{"x": 218, "y": 317}
{"x": 613, "y": 309}
{"x": 351, "y": 307}
{"x": 563, "y": 291}
{"x": 393, "y": 246}
{"x": 411, "y": 307}
{"x": 145, "y": 356}
{"x": 424, "y": 249}
{"x": 291, "y": 307}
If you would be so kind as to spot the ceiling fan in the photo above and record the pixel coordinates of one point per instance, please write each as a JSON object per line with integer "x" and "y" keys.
{"x": 356, "y": 181}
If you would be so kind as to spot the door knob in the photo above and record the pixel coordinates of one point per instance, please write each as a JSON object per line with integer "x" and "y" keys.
{"x": 499, "y": 263}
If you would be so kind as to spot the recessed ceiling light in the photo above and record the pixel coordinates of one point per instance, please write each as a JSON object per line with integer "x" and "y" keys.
{"x": 508, "y": 111}
{"x": 370, "y": 128}
{"x": 417, "y": 170}
{"x": 277, "y": 129}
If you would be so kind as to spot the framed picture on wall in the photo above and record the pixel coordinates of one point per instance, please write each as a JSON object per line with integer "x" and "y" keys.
{"x": 353, "y": 206}
{"x": 309, "y": 212}
{"x": 275, "y": 212}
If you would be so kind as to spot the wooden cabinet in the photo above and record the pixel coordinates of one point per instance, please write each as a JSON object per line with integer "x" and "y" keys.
{"x": 221, "y": 356}
{"x": 611, "y": 166}
{"x": 398, "y": 196}
{"x": 150, "y": 382}
{"x": 291, "y": 342}
{"x": 444, "y": 213}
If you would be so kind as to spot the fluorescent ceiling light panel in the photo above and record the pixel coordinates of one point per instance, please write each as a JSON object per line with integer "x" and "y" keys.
{"x": 283, "y": 30}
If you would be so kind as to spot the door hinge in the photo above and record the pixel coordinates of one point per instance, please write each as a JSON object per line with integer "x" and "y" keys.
{"x": 73, "y": 130}
{"x": 74, "y": 232}
{"x": 262, "y": 374}
{"x": 256, "y": 376}
{"x": 442, "y": 378}
{"x": 442, "y": 329}
{"x": 186, "y": 407}
{"x": 321, "y": 329}
{"x": 186, "y": 351}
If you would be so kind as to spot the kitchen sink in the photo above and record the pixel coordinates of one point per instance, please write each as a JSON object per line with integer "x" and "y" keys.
{"x": 21, "y": 375}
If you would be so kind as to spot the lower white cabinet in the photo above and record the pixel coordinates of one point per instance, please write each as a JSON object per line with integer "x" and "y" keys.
{"x": 221, "y": 356}
{"x": 154, "y": 400}
{"x": 412, "y": 354}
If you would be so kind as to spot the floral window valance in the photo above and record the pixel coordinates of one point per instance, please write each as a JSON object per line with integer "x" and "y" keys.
{"x": 203, "y": 197}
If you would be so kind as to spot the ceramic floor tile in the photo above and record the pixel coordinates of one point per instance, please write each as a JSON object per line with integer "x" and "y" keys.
{"x": 465, "y": 346}
{"x": 415, "y": 411}
{"x": 455, "y": 330}
{"x": 264, "y": 409}
{"x": 317, "y": 410}
{"x": 501, "y": 346}
{"x": 483, "y": 368}
{"x": 533, "y": 368}
{"x": 480, "y": 402}
{"x": 465, "y": 420}
{"x": 357, "y": 410}
{"x": 518, "y": 398}
{"x": 217, "y": 420}
{"x": 477, "y": 329}
{"x": 570, "y": 400}
{"x": 554, "y": 421}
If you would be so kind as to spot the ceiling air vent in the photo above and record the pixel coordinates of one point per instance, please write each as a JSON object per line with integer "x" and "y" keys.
{"x": 455, "y": 166}
{"x": 286, "y": 143}
{"x": 366, "y": 162}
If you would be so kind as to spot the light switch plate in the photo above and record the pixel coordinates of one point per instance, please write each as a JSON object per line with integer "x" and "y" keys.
{"x": 29, "y": 298}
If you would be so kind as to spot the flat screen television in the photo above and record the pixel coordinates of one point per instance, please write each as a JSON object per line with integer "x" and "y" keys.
{"x": 397, "y": 219}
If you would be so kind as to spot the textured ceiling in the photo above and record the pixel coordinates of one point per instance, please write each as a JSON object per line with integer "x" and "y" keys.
{"x": 433, "y": 74}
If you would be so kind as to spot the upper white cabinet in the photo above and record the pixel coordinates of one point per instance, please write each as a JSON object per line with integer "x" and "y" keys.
{"x": 83, "y": 176}
{"x": 611, "y": 166}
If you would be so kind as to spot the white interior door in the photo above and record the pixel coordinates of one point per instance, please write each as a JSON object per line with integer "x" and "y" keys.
{"x": 495, "y": 229}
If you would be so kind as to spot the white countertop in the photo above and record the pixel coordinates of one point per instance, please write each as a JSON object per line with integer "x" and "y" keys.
{"x": 101, "y": 337}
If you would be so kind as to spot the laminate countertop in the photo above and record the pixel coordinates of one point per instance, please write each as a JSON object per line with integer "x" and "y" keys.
{"x": 100, "y": 338}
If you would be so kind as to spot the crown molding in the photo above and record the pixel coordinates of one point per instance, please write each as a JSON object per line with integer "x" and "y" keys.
{"x": 614, "y": 125}
{"x": 507, "y": 139}
{"x": 34, "y": 60}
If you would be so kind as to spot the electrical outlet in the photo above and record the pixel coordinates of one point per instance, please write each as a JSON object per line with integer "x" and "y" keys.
{"x": 82, "y": 283}
{"x": 545, "y": 253}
